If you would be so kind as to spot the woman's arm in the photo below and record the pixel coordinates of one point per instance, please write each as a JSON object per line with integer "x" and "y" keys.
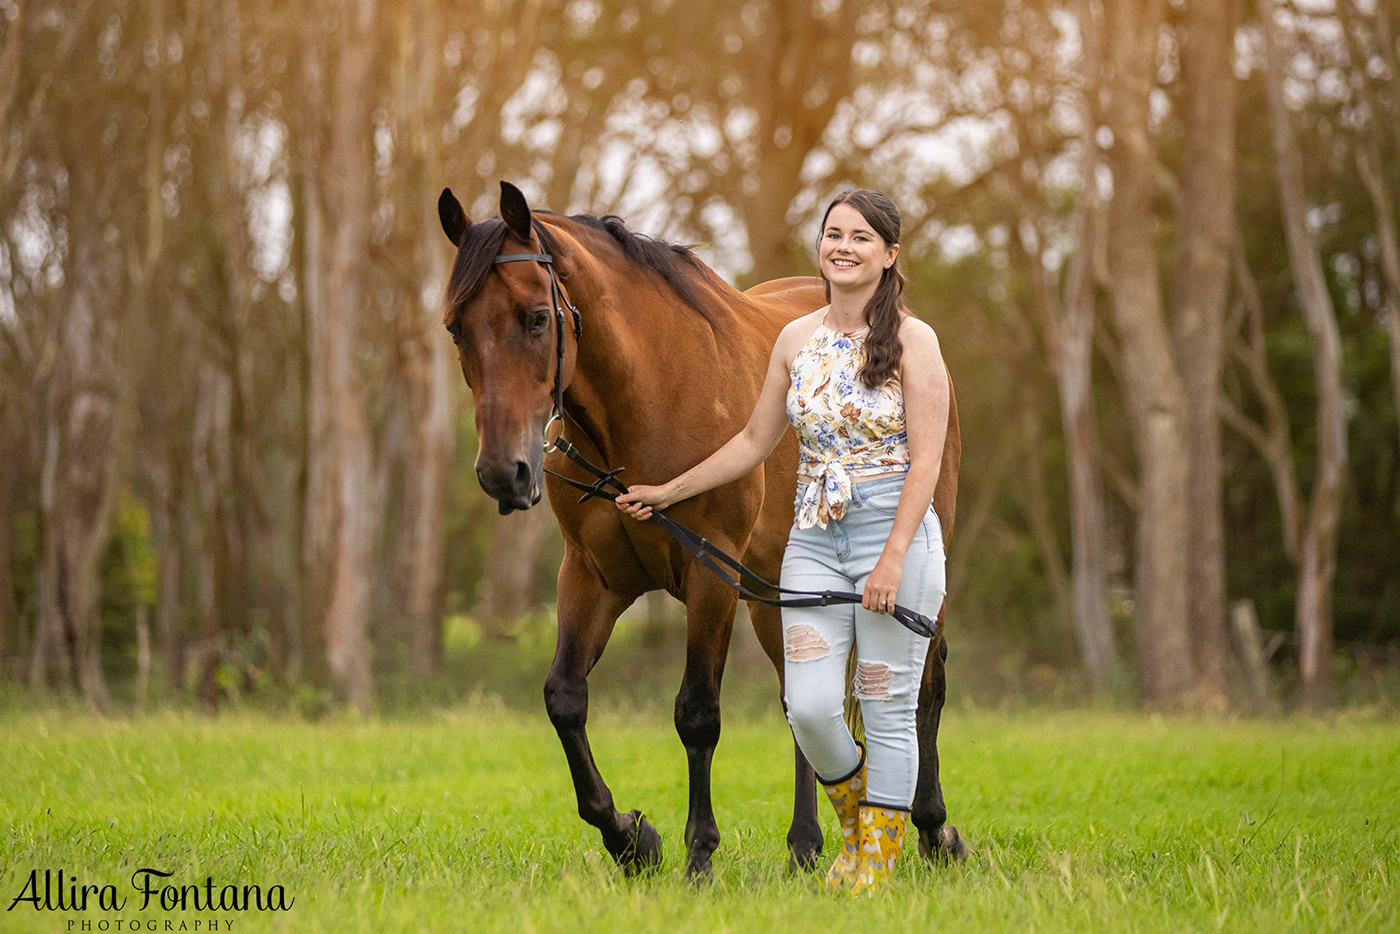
{"x": 742, "y": 453}
{"x": 926, "y": 403}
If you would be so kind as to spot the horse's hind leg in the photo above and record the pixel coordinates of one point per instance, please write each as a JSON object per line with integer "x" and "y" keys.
{"x": 587, "y": 612}
{"x": 938, "y": 839}
{"x": 804, "y": 836}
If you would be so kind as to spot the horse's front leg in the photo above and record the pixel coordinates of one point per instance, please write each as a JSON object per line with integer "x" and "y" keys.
{"x": 587, "y": 612}
{"x": 709, "y": 608}
{"x": 938, "y": 839}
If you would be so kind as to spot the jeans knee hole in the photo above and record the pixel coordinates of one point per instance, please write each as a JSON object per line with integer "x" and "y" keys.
{"x": 802, "y": 643}
{"x": 873, "y": 681}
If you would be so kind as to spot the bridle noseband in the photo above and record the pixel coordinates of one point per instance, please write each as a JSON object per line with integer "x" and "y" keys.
{"x": 556, "y": 294}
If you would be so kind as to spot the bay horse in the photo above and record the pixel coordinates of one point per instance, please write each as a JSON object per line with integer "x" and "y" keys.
{"x": 666, "y": 367}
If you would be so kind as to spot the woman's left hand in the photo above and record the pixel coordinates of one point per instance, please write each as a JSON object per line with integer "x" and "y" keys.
{"x": 882, "y": 585}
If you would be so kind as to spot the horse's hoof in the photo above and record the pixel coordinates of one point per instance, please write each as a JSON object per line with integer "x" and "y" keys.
{"x": 804, "y": 849}
{"x": 642, "y": 850}
{"x": 699, "y": 871}
{"x": 803, "y": 860}
{"x": 949, "y": 847}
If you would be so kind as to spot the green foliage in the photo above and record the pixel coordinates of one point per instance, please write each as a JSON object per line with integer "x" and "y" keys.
{"x": 465, "y": 820}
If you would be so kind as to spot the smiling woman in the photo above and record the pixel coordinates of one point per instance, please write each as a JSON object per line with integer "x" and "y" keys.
{"x": 863, "y": 384}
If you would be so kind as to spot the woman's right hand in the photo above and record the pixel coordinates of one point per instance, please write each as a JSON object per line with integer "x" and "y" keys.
{"x": 639, "y": 501}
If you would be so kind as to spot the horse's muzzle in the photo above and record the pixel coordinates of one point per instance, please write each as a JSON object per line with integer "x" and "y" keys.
{"x": 513, "y": 485}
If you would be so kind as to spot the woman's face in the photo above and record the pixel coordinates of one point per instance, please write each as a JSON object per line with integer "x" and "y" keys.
{"x": 851, "y": 255}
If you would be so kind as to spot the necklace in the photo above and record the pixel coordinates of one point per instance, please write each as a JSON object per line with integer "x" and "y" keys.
{"x": 860, "y": 330}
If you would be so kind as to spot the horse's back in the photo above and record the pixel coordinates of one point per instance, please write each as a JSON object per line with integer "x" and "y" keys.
{"x": 801, "y": 293}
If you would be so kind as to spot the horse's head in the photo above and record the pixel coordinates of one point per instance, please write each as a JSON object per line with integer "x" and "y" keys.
{"x": 502, "y": 319}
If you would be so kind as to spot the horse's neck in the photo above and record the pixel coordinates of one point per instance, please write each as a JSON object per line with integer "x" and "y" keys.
{"x": 640, "y": 341}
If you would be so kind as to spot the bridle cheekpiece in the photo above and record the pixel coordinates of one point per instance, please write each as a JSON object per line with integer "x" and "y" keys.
{"x": 556, "y": 295}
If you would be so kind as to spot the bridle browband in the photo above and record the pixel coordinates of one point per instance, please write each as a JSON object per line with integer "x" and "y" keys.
{"x": 712, "y": 557}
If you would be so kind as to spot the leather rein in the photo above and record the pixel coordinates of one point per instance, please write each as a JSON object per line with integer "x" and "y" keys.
{"x": 708, "y": 554}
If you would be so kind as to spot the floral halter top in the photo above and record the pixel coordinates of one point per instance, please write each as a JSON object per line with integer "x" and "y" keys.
{"x": 845, "y": 432}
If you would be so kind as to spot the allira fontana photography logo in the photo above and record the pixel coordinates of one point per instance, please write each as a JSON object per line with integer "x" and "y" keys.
{"x": 149, "y": 891}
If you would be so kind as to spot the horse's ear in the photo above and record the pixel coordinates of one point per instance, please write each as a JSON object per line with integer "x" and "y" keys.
{"x": 454, "y": 219}
{"x": 514, "y": 211}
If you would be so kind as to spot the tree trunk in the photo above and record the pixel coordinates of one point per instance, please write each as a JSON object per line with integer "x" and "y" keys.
{"x": 213, "y": 531}
{"x": 1071, "y": 340}
{"x": 1370, "y": 160}
{"x": 796, "y": 52}
{"x": 85, "y": 496}
{"x": 1273, "y": 439}
{"x": 507, "y": 581}
{"x": 1374, "y": 180}
{"x": 1318, "y": 553}
{"x": 165, "y": 533}
{"x": 1032, "y": 495}
{"x": 343, "y": 517}
{"x": 1153, "y": 387}
{"x": 1205, "y": 227}
{"x": 427, "y": 371}
{"x": 49, "y": 662}
{"x": 9, "y": 611}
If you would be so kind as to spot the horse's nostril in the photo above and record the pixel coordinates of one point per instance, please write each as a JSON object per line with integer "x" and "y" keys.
{"x": 522, "y": 475}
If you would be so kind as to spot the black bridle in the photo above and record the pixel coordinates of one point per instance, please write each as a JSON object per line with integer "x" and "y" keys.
{"x": 556, "y": 293}
{"x": 701, "y": 549}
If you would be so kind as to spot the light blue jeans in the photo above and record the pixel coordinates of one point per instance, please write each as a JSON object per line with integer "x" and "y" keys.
{"x": 889, "y": 658}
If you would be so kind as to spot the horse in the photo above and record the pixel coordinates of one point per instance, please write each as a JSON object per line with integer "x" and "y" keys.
{"x": 662, "y": 366}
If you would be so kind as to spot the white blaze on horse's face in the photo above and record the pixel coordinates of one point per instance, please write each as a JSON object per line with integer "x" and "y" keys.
{"x": 505, "y": 343}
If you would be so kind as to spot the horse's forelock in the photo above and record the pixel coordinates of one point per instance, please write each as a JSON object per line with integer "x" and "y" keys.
{"x": 480, "y": 246}
{"x": 477, "y": 255}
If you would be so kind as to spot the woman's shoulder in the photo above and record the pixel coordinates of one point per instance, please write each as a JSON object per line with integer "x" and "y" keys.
{"x": 911, "y": 325}
{"x": 917, "y": 334}
{"x": 920, "y": 344}
{"x": 796, "y": 333}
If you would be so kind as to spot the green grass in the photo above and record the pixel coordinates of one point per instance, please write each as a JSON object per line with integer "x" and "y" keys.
{"x": 465, "y": 820}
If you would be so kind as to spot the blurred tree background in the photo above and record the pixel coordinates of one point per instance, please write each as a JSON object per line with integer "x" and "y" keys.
{"x": 1158, "y": 240}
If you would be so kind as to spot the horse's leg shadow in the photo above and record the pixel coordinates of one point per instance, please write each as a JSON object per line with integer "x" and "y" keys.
{"x": 939, "y": 840}
{"x": 804, "y": 836}
{"x": 587, "y": 612}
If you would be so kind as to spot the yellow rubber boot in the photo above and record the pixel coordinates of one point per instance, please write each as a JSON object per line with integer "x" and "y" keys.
{"x": 845, "y": 797}
{"x": 881, "y": 837}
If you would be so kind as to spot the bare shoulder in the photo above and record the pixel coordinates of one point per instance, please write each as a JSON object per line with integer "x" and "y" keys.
{"x": 795, "y": 334}
{"x": 918, "y": 336}
{"x": 922, "y": 357}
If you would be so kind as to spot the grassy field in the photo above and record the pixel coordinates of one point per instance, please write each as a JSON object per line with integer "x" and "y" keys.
{"x": 465, "y": 820}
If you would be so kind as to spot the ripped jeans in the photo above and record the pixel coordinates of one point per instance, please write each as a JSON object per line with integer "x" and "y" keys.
{"x": 889, "y": 658}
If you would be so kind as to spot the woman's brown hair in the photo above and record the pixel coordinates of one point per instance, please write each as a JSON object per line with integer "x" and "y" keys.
{"x": 885, "y": 308}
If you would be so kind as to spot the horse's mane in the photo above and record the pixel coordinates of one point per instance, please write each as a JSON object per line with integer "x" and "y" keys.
{"x": 676, "y": 264}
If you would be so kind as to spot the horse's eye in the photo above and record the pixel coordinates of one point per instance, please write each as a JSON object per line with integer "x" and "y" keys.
{"x": 539, "y": 320}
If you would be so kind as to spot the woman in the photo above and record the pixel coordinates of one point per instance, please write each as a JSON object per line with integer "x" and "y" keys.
{"x": 863, "y": 384}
